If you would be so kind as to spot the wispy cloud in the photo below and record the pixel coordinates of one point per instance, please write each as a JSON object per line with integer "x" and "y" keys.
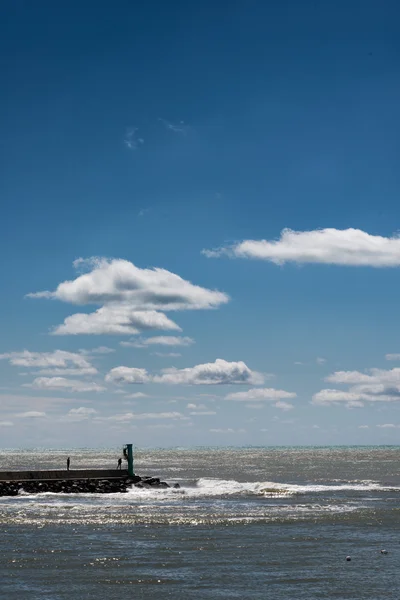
{"x": 166, "y": 354}
{"x": 30, "y": 414}
{"x": 392, "y": 356}
{"x": 144, "y": 416}
{"x": 80, "y": 414}
{"x": 131, "y": 140}
{"x": 227, "y": 430}
{"x": 260, "y": 395}
{"x": 61, "y": 383}
{"x": 160, "y": 340}
{"x": 180, "y": 127}
{"x": 58, "y": 362}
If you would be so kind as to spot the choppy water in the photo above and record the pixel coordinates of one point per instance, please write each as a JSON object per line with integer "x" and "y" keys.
{"x": 246, "y": 523}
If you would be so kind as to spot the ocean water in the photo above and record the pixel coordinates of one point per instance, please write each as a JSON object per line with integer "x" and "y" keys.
{"x": 256, "y": 523}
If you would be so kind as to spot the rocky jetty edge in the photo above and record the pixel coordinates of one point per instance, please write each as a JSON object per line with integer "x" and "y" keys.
{"x": 81, "y": 486}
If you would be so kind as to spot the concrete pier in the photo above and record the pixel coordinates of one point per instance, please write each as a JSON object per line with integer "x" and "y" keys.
{"x": 62, "y": 475}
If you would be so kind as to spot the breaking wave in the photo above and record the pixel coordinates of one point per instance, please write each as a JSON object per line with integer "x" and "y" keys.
{"x": 208, "y": 487}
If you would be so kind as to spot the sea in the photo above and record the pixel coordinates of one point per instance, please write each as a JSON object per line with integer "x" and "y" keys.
{"x": 250, "y": 523}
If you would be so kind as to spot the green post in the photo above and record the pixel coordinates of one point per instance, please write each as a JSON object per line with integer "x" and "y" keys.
{"x": 130, "y": 460}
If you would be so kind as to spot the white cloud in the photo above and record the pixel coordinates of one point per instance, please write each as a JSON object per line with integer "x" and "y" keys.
{"x": 203, "y": 412}
{"x": 58, "y": 362}
{"x": 136, "y": 395}
{"x": 61, "y": 383}
{"x": 349, "y": 247}
{"x": 376, "y": 385}
{"x": 127, "y": 375}
{"x": 350, "y": 377}
{"x": 144, "y": 416}
{"x": 131, "y": 299}
{"x": 392, "y": 356}
{"x": 332, "y": 396}
{"x": 30, "y": 414}
{"x": 80, "y": 414}
{"x": 388, "y": 426}
{"x": 98, "y": 350}
{"x": 119, "y": 280}
{"x": 166, "y": 354}
{"x": 320, "y": 360}
{"x": 363, "y": 427}
{"x": 180, "y": 127}
{"x": 6, "y": 423}
{"x": 227, "y": 430}
{"x": 132, "y": 141}
{"x": 160, "y": 340}
{"x": 285, "y": 406}
{"x": 114, "y": 319}
{"x": 220, "y": 372}
{"x": 260, "y": 394}
{"x": 169, "y": 340}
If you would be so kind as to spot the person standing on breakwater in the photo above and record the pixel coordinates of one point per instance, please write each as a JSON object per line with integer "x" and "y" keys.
{"x": 68, "y": 463}
{"x": 119, "y": 464}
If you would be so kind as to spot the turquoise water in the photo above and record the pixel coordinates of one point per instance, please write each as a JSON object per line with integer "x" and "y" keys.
{"x": 246, "y": 523}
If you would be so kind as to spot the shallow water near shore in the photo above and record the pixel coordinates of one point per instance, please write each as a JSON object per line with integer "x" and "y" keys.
{"x": 245, "y": 523}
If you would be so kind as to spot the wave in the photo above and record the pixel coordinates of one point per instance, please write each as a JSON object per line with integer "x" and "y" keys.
{"x": 208, "y": 487}
{"x": 218, "y": 488}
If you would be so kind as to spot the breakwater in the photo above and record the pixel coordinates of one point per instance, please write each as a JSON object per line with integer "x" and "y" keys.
{"x": 82, "y": 481}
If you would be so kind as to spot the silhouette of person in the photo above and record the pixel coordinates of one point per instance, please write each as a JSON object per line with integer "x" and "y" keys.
{"x": 68, "y": 463}
{"x": 119, "y": 463}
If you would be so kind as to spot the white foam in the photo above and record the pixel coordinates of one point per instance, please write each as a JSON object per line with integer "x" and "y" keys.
{"x": 208, "y": 487}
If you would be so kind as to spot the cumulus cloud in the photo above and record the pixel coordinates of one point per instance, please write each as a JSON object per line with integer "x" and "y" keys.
{"x": 349, "y": 247}
{"x": 62, "y": 383}
{"x": 131, "y": 299}
{"x": 127, "y": 375}
{"x": 119, "y": 280}
{"x": 136, "y": 395}
{"x": 375, "y": 385}
{"x": 58, "y": 362}
{"x": 220, "y": 372}
{"x": 114, "y": 319}
{"x": 260, "y": 395}
{"x": 387, "y": 426}
{"x": 6, "y": 423}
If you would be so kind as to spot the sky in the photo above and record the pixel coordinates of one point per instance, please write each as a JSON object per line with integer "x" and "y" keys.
{"x": 199, "y": 223}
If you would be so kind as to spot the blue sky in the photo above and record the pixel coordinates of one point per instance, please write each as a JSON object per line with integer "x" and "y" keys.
{"x": 219, "y": 184}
